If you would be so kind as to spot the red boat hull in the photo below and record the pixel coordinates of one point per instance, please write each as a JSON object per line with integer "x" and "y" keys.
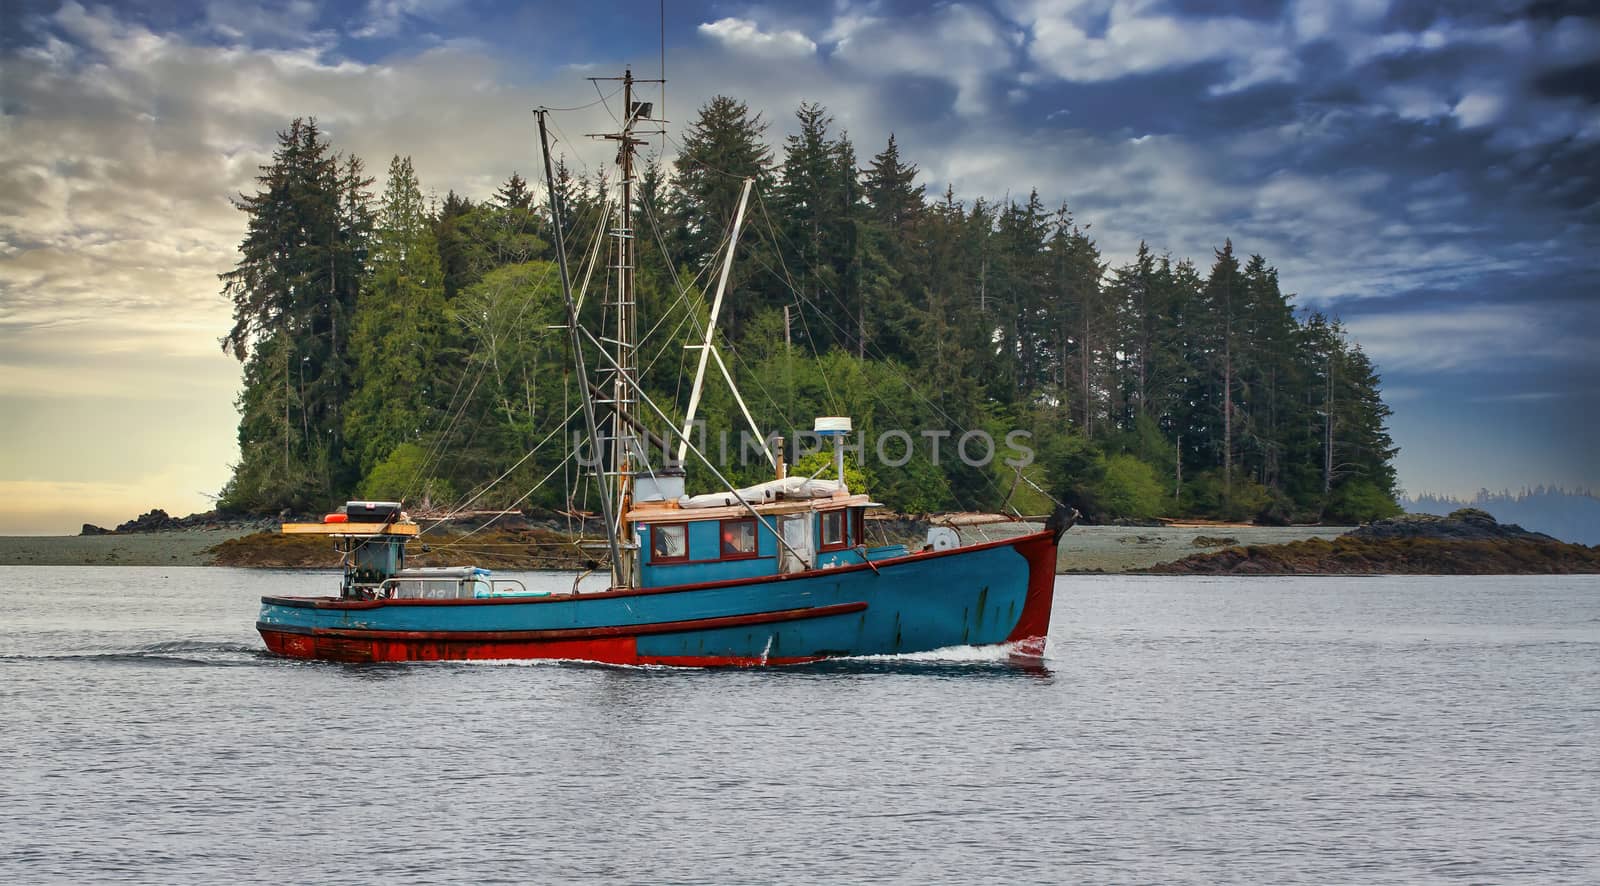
{"x": 609, "y": 650}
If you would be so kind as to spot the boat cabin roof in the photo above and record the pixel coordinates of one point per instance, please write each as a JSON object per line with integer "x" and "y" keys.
{"x": 432, "y": 572}
{"x": 670, "y": 512}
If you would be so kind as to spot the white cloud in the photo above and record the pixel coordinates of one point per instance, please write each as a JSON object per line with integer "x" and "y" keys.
{"x": 387, "y": 18}
{"x": 743, "y": 35}
{"x": 1415, "y": 101}
{"x": 1096, "y": 41}
{"x": 959, "y": 44}
{"x": 1471, "y": 337}
{"x": 1316, "y": 19}
{"x": 245, "y": 21}
{"x": 1477, "y": 109}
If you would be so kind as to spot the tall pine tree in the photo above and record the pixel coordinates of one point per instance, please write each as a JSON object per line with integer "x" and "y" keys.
{"x": 400, "y": 326}
{"x": 293, "y": 292}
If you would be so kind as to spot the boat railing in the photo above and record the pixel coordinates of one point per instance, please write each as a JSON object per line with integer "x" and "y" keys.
{"x": 509, "y": 583}
{"x": 431, "y": 588}
{"x": 434, "y": 588}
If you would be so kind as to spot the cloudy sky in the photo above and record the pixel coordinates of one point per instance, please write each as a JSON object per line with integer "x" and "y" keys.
{"x": 1425, "y": 171}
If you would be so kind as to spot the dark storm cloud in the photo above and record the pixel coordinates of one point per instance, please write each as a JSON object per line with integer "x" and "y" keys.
{"x": 1444, "y": 102}
{"x": 1577, "y": 81}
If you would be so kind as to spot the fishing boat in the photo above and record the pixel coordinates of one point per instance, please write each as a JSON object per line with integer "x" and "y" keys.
{"x": 780, "y": 572}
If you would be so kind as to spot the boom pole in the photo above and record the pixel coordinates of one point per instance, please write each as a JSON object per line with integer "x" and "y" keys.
{"x": 575, "y": 337}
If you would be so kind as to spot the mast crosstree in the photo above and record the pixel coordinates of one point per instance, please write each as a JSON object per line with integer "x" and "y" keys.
{"x": 627, "y": 452}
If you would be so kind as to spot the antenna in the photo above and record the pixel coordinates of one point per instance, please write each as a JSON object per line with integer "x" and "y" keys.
{"x": 663, "y": 147}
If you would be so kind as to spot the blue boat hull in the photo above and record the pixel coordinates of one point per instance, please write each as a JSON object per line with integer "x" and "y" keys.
{"x": 987, "y": 594}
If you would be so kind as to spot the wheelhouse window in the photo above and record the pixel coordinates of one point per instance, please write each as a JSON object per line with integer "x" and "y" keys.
{"x": 833, "y": 529}
{"x": 738, "y": 538}
{"x": 669, "y": 542}
{"x": 431, "y": 589}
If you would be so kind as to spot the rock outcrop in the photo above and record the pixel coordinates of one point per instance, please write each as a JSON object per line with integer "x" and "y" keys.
{"x": 158, "y": 520}
{"x": 1468, "y": 542}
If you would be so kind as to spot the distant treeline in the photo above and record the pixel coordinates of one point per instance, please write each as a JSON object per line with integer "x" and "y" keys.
{"x": 396, "y": 346}
{"x": 1570, "y": 516}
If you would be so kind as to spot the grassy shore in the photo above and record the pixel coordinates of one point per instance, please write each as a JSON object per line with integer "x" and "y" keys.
{"x": 1083, "y": 548}
{"x": 181, "y": 548}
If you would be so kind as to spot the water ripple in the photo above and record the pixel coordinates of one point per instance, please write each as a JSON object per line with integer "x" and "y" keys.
{"x": 1294, "y": 731}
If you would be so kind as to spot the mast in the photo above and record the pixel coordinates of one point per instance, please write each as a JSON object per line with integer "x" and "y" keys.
{"x": 627, "y": 453}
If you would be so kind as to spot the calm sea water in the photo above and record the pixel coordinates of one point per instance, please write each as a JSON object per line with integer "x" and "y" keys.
{"x": 1246, "y": 730}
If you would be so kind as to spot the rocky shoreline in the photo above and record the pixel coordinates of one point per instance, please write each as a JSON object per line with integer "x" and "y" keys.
{"x": 158, "y": 520}
{"x": 1467, "y": 542}
{"x": 542, "y": 541}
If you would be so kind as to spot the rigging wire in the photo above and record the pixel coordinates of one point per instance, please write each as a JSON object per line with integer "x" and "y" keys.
{"x": 514, "y": 506}
{"x": 437, "y": 452}
{"x": 692, "y": 315}
{"x": 603, "y": 98}
{"x": 596, "y": 85}
{"x": 519, "y": 463}
{"x": 787, "y": 279}
{"x": 458, "y": 403}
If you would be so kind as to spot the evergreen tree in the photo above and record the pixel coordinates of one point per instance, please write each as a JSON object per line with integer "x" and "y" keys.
{"x": 571, "y": 197}
{"x": 506, "y": 230}
{"x": 1133, "y": 294}
{"x": 1271, "y": 339}
{"x": 1348, "y": 425}
{"x": 454, "y": 249}
{"x": 515, "y": 194}
{"x": 1078, "y": 320}
{"x": 1016, "y": 279}
{"x": 951, "y": 331}
{"x": 894, "y": 282}
{"x": 892, "y": 191}
{"x": 723, "y": 146}
{"x": 1218, "y": 338}
{"x": 1156, "y": 388}
{"x": 517, "y": 365}
{"x": 813, "y": 208}
{"x": 293, "y": 292}
{"x": 1366, "y": 452}
{"x": 400, "y": 320}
